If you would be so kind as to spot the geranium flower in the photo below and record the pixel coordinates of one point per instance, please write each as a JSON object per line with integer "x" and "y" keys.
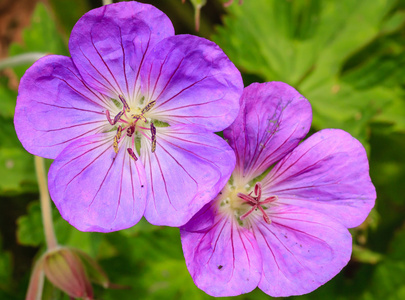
{"x": 129, "y": 119}
{"x": 283, "y": 229}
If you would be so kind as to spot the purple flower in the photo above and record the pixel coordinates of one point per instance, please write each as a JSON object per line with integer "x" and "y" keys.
{"x": 129, "y": 119}
{"x": 283, "y": 230}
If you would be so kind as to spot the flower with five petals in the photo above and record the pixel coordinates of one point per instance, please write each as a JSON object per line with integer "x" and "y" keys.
{"x": 281, "y": 222}
{"x": 130, "y": 119}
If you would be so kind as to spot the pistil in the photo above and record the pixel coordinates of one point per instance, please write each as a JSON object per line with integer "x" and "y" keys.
{"x": 256, "y": 203}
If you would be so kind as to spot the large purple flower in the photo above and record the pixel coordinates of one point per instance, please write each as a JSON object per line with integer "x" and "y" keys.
{"x": 283, "y": 230}
{"x": 129, "y": 119}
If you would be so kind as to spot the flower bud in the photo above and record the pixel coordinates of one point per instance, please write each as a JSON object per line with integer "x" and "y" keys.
{"x": 70, "y": 270}
{"x": 64, "y": 269}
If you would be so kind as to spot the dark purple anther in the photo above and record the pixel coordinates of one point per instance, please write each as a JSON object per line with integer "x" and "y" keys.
{"x": 148, "y": 106}
{"x": 132, "y": 154}
{"x": 130, "y": 130}
{"x": 118, "y": 116}
{"x": 153, "y": 131}
{"x": 126, "y": 106}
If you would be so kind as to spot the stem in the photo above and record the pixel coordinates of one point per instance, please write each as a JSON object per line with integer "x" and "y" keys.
{"x": 197, "y": 17}
{"x": 45, "y": 204}
{"x": 21, "y": 59}
{"x": 106, "y": 2}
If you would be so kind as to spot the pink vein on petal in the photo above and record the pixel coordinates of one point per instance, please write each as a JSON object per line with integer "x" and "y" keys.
{"x": 165, "y": 183}
{"x": 108, "y": 88}
{"x": 87, "y": 87}
{"x": 170, "y": 79}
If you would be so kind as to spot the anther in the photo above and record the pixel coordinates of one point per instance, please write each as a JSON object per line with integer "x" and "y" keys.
{"x": 115, "y": 144}
{"x": 126, "y": 106}
{"x": 137, "y": 117}
{"x": 153, "y": 132}
{"x": 119, "y": 132}
{"x": 149, "y": 106}
{"x": 118, "y": 116}
{"x": 132, "y": 154}
{"x": 130, "y": 130}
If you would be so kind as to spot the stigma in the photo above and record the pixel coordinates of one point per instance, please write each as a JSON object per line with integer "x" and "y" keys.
{"x": 256, "y": 203}
{"x": 245, "y": 206}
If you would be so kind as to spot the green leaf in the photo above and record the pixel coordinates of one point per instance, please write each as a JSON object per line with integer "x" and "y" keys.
{"x": 69, "y": 11}
{"x": 387, "y": 282}
{"x": 17, "y": 169}
{"x": 41, "y": 36}
{"x": 30, "y": 232}
{"x": 29, "y": 227}
{"x": 306, "y": 44}
{"x": 171, "y": 281}
{"x": 397, "y": 246}
{"x": 365, "y": 255}
{"x": 6, "y": 268}
{"x": 7, "y": 99}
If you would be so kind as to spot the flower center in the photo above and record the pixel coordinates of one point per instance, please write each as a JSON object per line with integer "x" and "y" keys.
{"x": 246, "y": 206}
{"x": 133, "y": 122}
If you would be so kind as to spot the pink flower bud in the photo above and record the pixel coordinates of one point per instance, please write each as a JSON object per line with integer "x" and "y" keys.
{"x": 65, "y": 270}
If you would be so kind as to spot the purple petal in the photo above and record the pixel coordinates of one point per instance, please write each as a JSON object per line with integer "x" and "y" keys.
{"x": 96, "y": 189}
{"x": 108, "y": 45}
{"x": 56, "y": 107}
{"x": 193, "y": 82}
{"x": 187, "y": 170}
{"x": 224, "y": 259}
{"x": 273, "y": 119}
{"x": 328, "y": 173}
{"x": 301, "y": 250}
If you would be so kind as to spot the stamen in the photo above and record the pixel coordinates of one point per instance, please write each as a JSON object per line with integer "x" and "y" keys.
{"x": 115, "y": 144}
{"x": 130, "y": 130}
{"x": 153, "y": 131}
{"x": 118, "y": 116}
{"x": 119, "y": 132}
{"x": 149, "y": 106}
{"x": 138, "y": 117}
{"x": 132, "y": 154}
{"x": 117, "y": 138}
{"x": 126, "y": 106}
{"x": 109, "y": 118}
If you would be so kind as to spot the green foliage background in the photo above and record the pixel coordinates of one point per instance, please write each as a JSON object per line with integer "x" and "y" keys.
{"x": 347, "y": 57}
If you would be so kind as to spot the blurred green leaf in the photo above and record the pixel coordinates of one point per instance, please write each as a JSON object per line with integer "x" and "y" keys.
{"x": 68, "y": 12}
{"x": 29, "y": 227}
{"x": 17, "y": 169}
{"x": 41, "y": 36}
{"x": 397, "y": 246}
{"x": 387, "y": 282}
{"x": 141, "y": 226}
{"x": 30, "y": 232}
{"x": 171, "y": 281}
{"x": 6, "y": 268}
{"x": 7, "y": 99}
{"x": 365, "y": 255}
